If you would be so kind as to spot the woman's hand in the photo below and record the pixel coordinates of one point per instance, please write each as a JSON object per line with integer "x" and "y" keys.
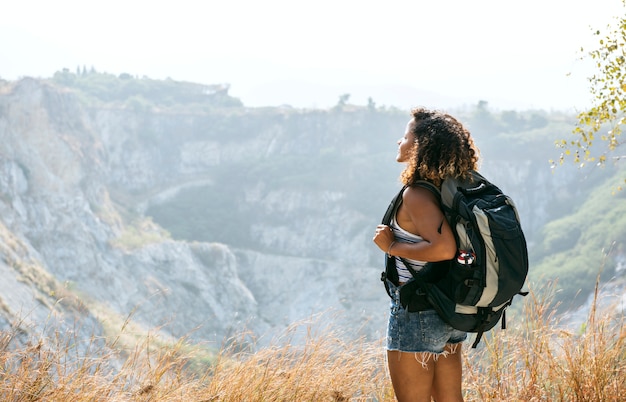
{"x": 383, "y": 237}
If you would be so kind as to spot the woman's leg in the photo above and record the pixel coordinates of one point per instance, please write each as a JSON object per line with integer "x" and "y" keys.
{"x": 412, "y": 375}
{"x": 448, "y": 375}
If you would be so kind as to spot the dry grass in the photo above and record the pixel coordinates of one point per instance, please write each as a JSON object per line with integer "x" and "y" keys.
{"x": 535, "y": 360}
{"x": 321, "y": 368}
{"x": 542, "y": 361}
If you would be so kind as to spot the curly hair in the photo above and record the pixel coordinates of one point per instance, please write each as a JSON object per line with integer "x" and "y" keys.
{"x": 443, "y": 148}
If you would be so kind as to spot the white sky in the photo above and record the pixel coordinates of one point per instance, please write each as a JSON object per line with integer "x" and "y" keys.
{"x": 437, "y": 53}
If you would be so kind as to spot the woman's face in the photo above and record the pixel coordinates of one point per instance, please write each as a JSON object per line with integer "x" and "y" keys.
{"x": 406, "y": 144}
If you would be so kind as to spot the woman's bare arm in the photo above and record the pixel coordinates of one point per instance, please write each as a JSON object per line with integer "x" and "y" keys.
{"x": 419, "y": 214}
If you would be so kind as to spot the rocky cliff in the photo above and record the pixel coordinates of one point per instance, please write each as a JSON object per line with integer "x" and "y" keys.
{"x": 269, "y": 215}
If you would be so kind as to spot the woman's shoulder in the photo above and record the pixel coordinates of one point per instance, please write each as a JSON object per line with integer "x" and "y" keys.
{"x": 418, "y": 195}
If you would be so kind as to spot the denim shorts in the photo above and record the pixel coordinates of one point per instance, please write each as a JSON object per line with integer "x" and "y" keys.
{"x": 420, "y": 331}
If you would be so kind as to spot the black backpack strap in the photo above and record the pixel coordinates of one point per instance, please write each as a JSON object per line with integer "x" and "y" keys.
{"x": 393, "y": 207}
{"x": 390, "y": 272}
{"x": 479, "y": 336}
{"x": 420, "y": 281}
{"x": 485, "y": 315}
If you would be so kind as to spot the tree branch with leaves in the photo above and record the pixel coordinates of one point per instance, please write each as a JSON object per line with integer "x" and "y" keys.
{"x": 606, "y": 119}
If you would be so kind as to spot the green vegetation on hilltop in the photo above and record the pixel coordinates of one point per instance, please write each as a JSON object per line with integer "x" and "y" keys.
{"x": 573, "y": 250}
{"x": 144, "y": 94}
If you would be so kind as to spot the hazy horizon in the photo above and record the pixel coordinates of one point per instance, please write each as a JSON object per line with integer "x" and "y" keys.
{"x": 444, "y": 54}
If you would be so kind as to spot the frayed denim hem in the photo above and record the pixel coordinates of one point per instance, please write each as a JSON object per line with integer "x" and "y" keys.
{"x": 424, "y": 357}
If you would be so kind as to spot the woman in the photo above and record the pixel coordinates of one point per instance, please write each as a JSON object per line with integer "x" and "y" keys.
{"x": 423, "y": 352}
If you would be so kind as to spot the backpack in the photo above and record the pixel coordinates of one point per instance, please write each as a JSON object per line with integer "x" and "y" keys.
{"x": 472, "y": 291}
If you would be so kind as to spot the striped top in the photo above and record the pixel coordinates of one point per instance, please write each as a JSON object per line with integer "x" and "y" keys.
{"x": 402, "y": 236}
